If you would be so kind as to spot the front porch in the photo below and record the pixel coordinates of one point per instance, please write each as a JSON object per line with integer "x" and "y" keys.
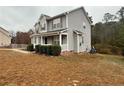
{"x": 51, "y": 38}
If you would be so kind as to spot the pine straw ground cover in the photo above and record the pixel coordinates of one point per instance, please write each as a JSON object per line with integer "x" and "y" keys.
{"x": 73, "y": 69}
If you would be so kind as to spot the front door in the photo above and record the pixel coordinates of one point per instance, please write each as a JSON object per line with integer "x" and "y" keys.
{"x": 45, "y": 40}
{"x": 80, "y": 43}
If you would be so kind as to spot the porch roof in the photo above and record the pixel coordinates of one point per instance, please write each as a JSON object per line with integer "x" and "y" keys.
{"x": 50, "y": 33}
{"x": 35, "y": 35}
{"x": 78, "y": 32}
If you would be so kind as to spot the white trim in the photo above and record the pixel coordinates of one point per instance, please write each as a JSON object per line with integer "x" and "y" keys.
{"x": 60, "y": 39}
{"x": 37, "y": 40}
{"x": 67, "y": 20}
{"x": 64, "y": 33}
{"x": 46, "y": 24}
{"x": 58, "y": 29}
{"x": 67, "y": 42}
{"x": 67, "y": 32}
{"x": 41, "y": 42}
{"x": 34, "y": 35}
{"x": 78, "y": 43}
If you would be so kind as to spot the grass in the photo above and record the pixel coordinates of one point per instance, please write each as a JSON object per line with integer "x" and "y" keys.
{"x": 73, "y": 69}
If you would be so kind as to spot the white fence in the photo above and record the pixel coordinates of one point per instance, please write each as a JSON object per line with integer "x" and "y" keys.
{"x": 23, "y": 46}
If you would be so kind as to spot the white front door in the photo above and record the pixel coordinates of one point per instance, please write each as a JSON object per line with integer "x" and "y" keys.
{"x": 80, "y": 43}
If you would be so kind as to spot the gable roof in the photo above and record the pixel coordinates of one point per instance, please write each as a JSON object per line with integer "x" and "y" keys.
{"x": 65, "y": 13}
{"x": 5, "y": 32}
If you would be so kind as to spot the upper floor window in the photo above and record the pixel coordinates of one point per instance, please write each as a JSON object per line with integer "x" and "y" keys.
{"x": 84, "y": 25}
{"x": 37, "y": 28}
{"x": 56, "y": 23}
{"x": 43, "y": 27}
{"x": 82, "y": 39}
{"x": 54, "y": 26}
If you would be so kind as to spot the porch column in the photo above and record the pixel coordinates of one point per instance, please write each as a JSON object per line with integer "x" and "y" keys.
{"x": 67, "y": 42}
{"x": 41, "y": 42}
{"x": 34, "y": 43}
{"x": 60, "y": 39}
{"x": 37, "y": 40}
{"x": 78, "y": 43}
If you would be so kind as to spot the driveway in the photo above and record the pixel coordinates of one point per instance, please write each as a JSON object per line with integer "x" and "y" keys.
{"x": 16, "y": 50}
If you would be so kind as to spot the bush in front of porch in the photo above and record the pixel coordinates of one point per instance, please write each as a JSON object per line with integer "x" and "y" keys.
{"x": 37, "y": 48}
{"x": 30, "y": 47}
{"x": 53, "y": 50}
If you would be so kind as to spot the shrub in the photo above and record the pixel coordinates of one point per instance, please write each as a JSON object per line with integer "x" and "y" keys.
{"x": 44, "y": 49}
{"x": 37, "y": 47}
{"x": 116, "y": 50}
{"x": 108, "y": 49}
{"x": 122, "y": 51}
{"x": 56, "y": 50}
{"x": 50, "y": 50}
{"x": 104, "y": 49}
{"x": 30, "y": 47}
{"x": 41, "y": 49}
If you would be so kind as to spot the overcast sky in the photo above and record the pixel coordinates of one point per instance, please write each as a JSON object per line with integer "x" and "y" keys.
{"x": 23, "y": 18}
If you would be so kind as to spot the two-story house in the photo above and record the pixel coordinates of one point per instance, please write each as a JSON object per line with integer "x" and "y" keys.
{"x": 71, "y": 30}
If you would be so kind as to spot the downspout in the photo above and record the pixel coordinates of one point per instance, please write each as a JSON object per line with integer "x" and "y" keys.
{"x": 78, "y": 43}
{"x": 67, "y": 31}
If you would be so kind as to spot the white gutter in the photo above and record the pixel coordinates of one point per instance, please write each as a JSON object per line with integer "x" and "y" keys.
{"x": 67, "y": 31}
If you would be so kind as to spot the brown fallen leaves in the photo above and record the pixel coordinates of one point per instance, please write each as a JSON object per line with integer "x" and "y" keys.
{"x": 74, "y": 69}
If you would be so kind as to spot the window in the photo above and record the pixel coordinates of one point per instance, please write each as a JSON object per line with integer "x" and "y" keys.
{"x": 54, "y": 26}
{"x": 43, "y": 27}
{"x": 56, "y": 40}
{"x": 56, "y": 23}
{"x": 45, "y": 40}
{"x": 82, "y": 40}
{"x": 84, "y": 25}
{"x": 57, "y": 20}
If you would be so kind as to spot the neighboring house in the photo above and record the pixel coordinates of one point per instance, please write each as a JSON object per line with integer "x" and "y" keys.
{"x": 71, "y": 30}
{"x": 5, "y": 38}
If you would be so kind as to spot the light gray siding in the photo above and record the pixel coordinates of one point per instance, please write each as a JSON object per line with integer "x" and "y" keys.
{"x": 75, "y": 40}
{"x": 63, "y": 20}
{"x": 49, "y": 25}
{"x": 62, "y": 23}
{"x": 76, "y": 19}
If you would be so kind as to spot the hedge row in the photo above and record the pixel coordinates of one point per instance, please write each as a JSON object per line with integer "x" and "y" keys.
{"x": 30, "y": 47}
{"x": 54, "y": 50}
